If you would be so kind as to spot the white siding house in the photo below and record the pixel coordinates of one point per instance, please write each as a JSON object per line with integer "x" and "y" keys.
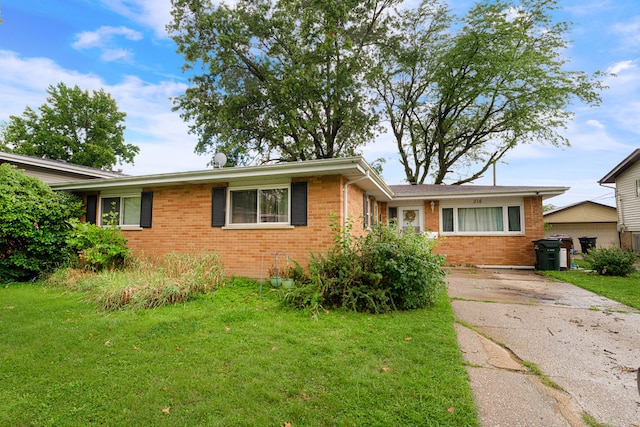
{"x": 626, "y": 178}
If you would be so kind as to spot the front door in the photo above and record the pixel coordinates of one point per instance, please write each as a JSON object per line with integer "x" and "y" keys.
{"x": 410, "y": 217}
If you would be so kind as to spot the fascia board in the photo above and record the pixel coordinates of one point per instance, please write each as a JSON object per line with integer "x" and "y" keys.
{"x": 346, "y": 166}
{"x": 545, "y": 193}
{"x": 58, "y": 165}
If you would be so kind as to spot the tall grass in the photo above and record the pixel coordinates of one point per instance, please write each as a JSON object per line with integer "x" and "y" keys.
{"x": 147, "y": 283}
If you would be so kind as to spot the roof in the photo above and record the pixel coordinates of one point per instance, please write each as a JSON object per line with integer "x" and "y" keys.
{"x": 631, "y": 159}
{"x": 582, "y": 212}
{"x": 433, "y": 191}
{"x": 352, "y": 168}
{"x": 21, "y": 160}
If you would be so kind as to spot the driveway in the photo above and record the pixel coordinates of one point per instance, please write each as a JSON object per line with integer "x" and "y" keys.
{"x": 586, "y": 344}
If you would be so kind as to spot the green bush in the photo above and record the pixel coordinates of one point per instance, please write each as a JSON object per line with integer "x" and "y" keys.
{"x": 34, "y": 225}
{"x": 381, "y": 271}
{"x": 98, "y": 248}
{"x": 611, "y": 261}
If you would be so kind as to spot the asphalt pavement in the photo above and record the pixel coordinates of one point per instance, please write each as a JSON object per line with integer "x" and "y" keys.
{"x": 513, "y": 322}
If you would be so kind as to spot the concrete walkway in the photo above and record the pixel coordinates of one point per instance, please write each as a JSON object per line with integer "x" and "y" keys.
{"x": 587, "y": 345}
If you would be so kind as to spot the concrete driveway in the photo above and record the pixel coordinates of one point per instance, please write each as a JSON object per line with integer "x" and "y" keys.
{"x": 586, "y": 344}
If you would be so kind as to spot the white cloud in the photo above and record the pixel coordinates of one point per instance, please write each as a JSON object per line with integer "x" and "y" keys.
{"x": 103, "y": 37}
{"x": 621, "y": 66}
{"x": 154, "y": 14}
{"x": 161, "y": 134}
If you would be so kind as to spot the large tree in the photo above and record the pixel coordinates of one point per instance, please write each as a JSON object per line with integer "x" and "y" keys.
{"x": 73, "y": 125}
{"x": 460, "y": 93}
{"x": 279, "y": 80}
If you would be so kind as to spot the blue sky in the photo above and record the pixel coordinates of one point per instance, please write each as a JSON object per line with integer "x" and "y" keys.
{"x": 121, "y": 46}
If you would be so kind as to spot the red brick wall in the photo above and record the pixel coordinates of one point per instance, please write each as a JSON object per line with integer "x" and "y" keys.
{"x": 493, "y": 250}
{"x": 182, "y": 223}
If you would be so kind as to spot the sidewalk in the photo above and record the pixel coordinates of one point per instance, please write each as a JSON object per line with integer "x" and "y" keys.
{"x": 584, "y": 343}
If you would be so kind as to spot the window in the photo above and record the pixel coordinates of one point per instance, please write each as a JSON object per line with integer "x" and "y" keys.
{"x": 259, "y": 206}
{"x": 125, "y": 210}
{"x": 638, "y": 187}
{"x": 482, "y": 219}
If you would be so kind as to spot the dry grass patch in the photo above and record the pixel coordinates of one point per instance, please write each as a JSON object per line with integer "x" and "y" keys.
{"x": 147, "y": 283}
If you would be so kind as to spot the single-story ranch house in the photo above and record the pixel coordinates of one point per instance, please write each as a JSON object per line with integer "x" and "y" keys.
{"x": 247, "y": 213}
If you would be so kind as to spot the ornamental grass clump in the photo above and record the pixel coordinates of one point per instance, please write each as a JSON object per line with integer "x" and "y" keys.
{"x": 147, "y": 283}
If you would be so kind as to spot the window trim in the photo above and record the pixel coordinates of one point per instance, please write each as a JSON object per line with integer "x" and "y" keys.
{"x": 505, "y": 205}
{"x": 120, "y": 196}
{"x": 257, "y": 225}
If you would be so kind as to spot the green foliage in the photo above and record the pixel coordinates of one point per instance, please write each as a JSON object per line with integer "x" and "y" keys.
{"x": 146, "y": 283}
{"x": 459, "y": 93}
{"x": 230, "y": 358}
{"x": 74, "y": 126}
{"x": 34, "y": 225}
{"x": 98, "y": 248}
{"x": 282, "y": 79}
{"x": 611, "y": 261}
{"x": 381, "y": 271}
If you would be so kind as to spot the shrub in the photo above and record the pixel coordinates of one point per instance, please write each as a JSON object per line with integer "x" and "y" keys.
{"x": 98, "y": 247}
{"x": 381, "y": 271}
{"x": 34, "y": 225}
{"x": 611, "y": 261}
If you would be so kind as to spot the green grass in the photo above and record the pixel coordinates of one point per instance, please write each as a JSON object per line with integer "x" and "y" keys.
{"x": 622, "y": 289}
{"x": 225, "y": 359}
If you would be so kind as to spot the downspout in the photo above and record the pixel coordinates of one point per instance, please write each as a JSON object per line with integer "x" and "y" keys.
{"x": 346, "y": 195}
{"x": 619, "y": 212}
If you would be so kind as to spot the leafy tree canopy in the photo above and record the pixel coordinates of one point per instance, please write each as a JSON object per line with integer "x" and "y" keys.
{"x": 73, "y": 125}
{"x": 304, "y": 79}
{"x": 459, "y": 93}
{"x": 281, "y": 80}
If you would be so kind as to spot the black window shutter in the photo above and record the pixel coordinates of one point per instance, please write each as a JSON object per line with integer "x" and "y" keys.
{"x": 146, "y": 209}
{"x": 218, "y": 206}
{"x": 92, "y": 208}
{"x": 299, "y": 203}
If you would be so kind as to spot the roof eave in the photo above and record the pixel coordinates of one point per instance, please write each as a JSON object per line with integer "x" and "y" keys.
{"x": 631, "y": 159}
{"x": 348, "y": 166}
{"x": 544, "y": 192}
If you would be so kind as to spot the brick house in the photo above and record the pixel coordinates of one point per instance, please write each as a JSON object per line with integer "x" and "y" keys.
{"x": 247, "y": 213}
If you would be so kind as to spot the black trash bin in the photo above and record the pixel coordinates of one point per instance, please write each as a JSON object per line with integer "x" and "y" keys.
{"x": 586, "y": 243}
{"x": 547, "y": 254}
{"x": 566, "y": 243}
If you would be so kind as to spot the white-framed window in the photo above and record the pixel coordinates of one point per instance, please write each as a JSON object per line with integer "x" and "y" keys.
{"x": 124, "y": 210}
{"x": 489, "y": 219}
{"x": 262, "y": 205}
{"x": 638, "y": 187}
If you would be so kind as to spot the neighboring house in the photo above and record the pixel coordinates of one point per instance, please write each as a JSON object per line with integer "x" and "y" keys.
{"x": 52, "y": 171}
{"x": 247, "y": 214}
{"x": 626, "y": 178}
{"x": 585, "y": 219}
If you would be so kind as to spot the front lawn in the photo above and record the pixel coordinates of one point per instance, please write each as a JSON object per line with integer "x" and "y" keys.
{"x": 225, "y": 359}
{"x": 622, "y": 289}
